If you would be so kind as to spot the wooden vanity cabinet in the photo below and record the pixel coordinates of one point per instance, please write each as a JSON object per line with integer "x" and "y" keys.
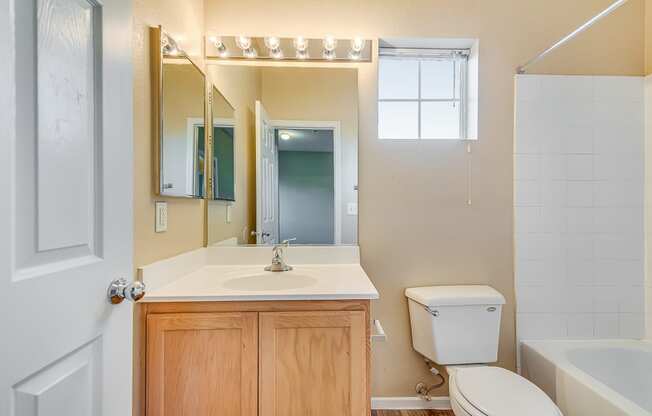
{"x": 289, "y": 358}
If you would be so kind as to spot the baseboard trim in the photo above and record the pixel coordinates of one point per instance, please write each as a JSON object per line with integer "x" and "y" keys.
{"x": 409, "y": 402}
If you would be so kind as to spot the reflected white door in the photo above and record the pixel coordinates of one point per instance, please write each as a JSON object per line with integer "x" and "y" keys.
{"x": 65, "y": 211}
{"x": 266, "y": 179}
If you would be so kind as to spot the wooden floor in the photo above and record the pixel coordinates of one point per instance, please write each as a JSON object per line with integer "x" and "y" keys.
{"x": 412, "y": 413}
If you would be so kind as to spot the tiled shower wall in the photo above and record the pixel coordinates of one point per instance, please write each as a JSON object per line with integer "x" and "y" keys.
{"x": 578, "y": 206}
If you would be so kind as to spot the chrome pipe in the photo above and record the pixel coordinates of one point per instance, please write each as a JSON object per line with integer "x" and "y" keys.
{"x": 606, "y": 12}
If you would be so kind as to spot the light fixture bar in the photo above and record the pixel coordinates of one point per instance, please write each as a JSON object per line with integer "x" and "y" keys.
{"x": 298, "y": 48}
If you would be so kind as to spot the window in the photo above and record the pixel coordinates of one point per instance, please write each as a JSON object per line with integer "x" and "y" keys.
{"x": 422, "y": 93}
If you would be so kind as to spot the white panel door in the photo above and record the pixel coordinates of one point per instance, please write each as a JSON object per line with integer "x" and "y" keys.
{"x": 65, "y": 211}
{"x": 266, "y": 179}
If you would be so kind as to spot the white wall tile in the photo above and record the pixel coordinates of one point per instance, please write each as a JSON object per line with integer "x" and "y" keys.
{"x": 579, "y": 220}
{"x": 527, "y": 193}
{"x": 617, "y": 87}
{"x": 580, "y": 194}
{"x": 631, "y": 325}
{"x": 527, "y": 167}
{"x": 576, "y": 139}
{"x": 581, "y": 325}
{"x": 528, "y": 220}
{"x": 615, "y": 167}
{"x": 541, "y": 326}
{"x": 580, "y": 272}
{"x": 578, "y": 200}
{"x": 606, "y": 325}
{"x": 528, "y": 88}
{"x": 553, "y": 167}
{"x": 619, "y": 246}
{"x": 605, "y": 299}
{"x": 534, "y": 246}
{"x": 579, "y": 167}
{"x": 618, "y": 139}
{"x": 578, "y": 246}
{"x": 618, "y": 272}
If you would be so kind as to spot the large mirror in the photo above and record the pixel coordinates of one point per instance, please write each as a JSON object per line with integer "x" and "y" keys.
{"x": 181, "y": 138}
{"x": 295, "y": 136}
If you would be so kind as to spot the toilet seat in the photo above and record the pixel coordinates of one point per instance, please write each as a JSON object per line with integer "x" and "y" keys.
{"x": 494, "y": 391}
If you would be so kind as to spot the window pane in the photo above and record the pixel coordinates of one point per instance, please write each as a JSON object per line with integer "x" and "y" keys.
{"x": 398, "y": 78}
{"x": 440, "y": 120}
{"x": 437, "y": 80}
{"x": 398, "y": 120}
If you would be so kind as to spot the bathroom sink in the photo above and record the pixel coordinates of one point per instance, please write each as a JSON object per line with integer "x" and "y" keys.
{"x": 270, "y": 281}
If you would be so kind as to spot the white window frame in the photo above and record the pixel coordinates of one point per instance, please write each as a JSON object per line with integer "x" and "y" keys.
{"x": 459, "y": 57}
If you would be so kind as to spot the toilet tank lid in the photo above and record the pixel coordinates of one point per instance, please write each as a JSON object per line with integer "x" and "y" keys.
{"x": 455, "y": 295}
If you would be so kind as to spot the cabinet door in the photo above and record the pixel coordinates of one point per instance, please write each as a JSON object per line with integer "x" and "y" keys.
{"x": 202, "y": 364}
{"x": 313, "y": 363}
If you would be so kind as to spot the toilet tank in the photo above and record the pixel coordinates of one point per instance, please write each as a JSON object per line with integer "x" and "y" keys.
{"x": 456, "y": 324}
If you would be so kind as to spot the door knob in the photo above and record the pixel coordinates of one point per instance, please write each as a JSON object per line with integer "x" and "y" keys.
{"x": 120, "y": 290}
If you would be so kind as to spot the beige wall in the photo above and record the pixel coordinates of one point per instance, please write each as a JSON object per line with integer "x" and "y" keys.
{"x": 241, "y": 86}
{"x": 321, "y": 94}
{"x": 183, "y": 19}
{"x": 415, "y": 226}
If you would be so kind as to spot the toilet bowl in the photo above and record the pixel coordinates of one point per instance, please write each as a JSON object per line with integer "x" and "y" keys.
{"x": 494, "y": 391}
{"x": 459, "y": 327}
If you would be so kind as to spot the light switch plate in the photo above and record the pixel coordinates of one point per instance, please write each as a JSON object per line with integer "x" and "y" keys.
{"x": 352, "y": 208}
{"x": 228, "y": 213}
{"x": 161, "y": 220}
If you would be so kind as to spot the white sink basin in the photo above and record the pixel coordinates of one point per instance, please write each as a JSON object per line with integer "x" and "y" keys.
{"x": 270, "y": 281}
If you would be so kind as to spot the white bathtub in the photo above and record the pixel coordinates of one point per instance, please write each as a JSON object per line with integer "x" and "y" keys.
{"x": 592, "y": 378}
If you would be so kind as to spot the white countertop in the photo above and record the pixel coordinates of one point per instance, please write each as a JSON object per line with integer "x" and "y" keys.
{"x": 194, "y": 277}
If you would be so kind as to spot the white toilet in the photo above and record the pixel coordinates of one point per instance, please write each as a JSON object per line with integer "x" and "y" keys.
{"x": 459, "y": 327}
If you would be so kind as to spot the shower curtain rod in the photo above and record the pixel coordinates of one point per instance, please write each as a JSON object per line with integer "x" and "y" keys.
{"x": 606, "y": 12}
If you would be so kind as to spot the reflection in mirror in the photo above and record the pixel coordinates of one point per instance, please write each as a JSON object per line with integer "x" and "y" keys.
{"x": 295, "y": 136}
{"x": 182, "y": 141}
{"x": 223, "y": 157}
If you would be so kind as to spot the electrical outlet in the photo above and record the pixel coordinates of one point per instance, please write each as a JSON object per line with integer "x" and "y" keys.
{"x": 161, "y": 217}
{"x": 228, "y": 213}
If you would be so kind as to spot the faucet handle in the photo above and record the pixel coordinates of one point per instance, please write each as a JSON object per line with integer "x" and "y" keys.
{"x": 286, "y": 243}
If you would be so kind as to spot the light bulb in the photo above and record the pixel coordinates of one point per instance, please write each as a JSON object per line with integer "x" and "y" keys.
{"x": 357, "y": 44}
{"x": 302, "y": 55}
{"x": 243, "y": 42}
{"x": 355, "y": 55}
{"x": 222, "y": 52}
{"x": 330, "y": 43}
{"x": 285, "y": 136}
{"x": 329, "y": 55}
{"x": 276, "y": 53}
{"x": 300, "y": 44}
{"x": 169, "y": 46}
{"x": 250, "y": 53}
{"x": 272, "y": 42}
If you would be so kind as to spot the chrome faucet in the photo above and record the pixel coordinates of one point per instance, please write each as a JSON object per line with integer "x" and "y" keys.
{"x": 278, "y": 263}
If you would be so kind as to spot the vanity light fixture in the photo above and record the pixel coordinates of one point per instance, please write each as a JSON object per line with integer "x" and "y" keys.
{"x": 298, "y": 48}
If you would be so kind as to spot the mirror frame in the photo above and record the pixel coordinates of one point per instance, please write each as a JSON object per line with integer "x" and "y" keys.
{"x": 156, "y": 73}
{"x": 209, "y": 153}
